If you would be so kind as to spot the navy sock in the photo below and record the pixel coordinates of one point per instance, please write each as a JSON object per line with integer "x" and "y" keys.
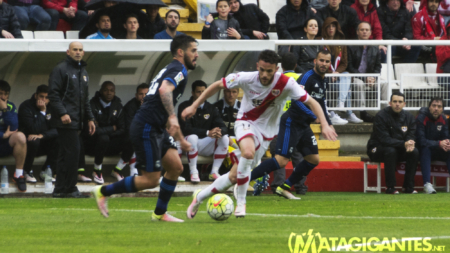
{"x": 167, "y": 187}
{"x": 125, "y": 185}
{"x": 265, "y": 168}
{"x": 302, "y": 169}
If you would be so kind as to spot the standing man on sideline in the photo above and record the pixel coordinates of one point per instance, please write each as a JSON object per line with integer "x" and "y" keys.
{"x": 432, "y": 139}
{"x": 34, "y": 122}
{"x": 393, "y": 140}
{"x": 154, "y": 145}
{"x": 172, "y": 22}
{"x": 69, "y": 98}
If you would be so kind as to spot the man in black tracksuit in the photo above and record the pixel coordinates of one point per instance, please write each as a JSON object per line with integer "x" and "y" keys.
{"x": 205, "y": 131}
{"x": 432, "y": 139}
{"x": 34, "y": 122}
{"x": 253, "y": 21}
{"x": 128, "y": 112}
{"x": 228, "y": 107}
{"x": 109, "y": 135}
{"x": 392, "y": 141}
{"x": 69, "y": 100}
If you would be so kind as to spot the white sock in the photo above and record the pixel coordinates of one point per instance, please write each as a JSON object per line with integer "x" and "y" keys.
{"x": 215, "y": 169}
{"x": 97, "y": 167}
{"x": 243, "y": 178}
{"x": 220, "y": 185}
{"x": 121, "y": 164}
{"x": 19, "y": 172}
{"x": 133, "y": 169}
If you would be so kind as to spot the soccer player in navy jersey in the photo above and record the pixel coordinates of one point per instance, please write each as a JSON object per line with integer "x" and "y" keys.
{"x": 154, "y": 145}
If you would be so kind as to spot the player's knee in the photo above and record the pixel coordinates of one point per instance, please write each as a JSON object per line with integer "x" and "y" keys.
{"x": 34, "y": 144}
{"x": 193, "y": 140}
{"x": 103, "y": 139}
{"x": 248, "y": 154}
{"x": 232, "y": 177}
{"x": 282, "y": 161}
{"x": 314, "y": 159}
{"x": 19, "y": 138}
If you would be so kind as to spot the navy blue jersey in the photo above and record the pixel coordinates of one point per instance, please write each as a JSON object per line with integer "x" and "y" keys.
{"x": 152, "y": 111}
{"x": 315, "y": 85}
{"x": 8, "y": 118}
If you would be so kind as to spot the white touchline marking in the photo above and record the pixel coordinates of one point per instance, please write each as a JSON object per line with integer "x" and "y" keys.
{"x": 310, "y": 215}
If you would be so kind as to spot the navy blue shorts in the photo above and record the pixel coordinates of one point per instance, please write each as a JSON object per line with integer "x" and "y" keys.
{"x": 150, "y": 145}
{"x": 293, "y": 135}
{"x": 5, "y": 148}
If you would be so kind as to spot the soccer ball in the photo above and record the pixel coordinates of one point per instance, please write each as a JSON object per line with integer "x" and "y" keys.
{"x": 220, "y": 207}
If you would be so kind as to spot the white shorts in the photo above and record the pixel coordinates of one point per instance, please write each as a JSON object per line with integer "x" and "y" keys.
{"x": 243, "y": 129}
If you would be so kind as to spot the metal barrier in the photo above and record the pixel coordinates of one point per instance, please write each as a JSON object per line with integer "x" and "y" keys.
{"x": 419, "y": 88}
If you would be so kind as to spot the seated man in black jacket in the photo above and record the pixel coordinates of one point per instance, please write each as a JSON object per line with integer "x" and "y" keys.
{"x": 205, "y": 131}
{"x": 345, "y": 15}
{"x": 291, "y": 19}
{"x": 34, "y": 122}
{"x": 392, "y": 141}
{"x": 109, "y": 135}
{"x": 365, "y": 59}
{"x": 432, "y": 139}
{"x": 253, "y": 21}
{"x": 128, "y": 112}
{"x": 228, "y": 107}
{"x": 9, "y": 24}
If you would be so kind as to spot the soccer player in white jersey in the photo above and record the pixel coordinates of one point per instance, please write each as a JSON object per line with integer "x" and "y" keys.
{"x": 265, "y": 93}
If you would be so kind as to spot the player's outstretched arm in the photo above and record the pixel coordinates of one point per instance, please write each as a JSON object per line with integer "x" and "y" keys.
{"x": 327, "y": 131}
{"x": 211, "y": 90}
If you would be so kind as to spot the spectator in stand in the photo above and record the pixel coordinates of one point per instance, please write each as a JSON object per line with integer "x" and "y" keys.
{"x": 104, "y": 28}
{"x": 367, "y": 12}
{"x": 11, "y": 140}
{"x": 128, "y": 112}
{"x": 344, "y": 14}
{"x": 307, "y": 53}
{"x": 443, "y": 64}
{"x": 34, "y": 122}
{"x": 68, "y": 94}
{"x": 222, "y": 27}
{"x": 66, "y": 10}
{"x": 392, "y": 141}
{"x": 443, "y": 9}
{"x": 228, "y": 107}
{"x": 428, "y": 24}
{"x": 206, "y": 132}
{"x": 9, "y": 24}
{"x": 291, "y": 19}
{"x": 432, "y": 139}
{"x": 31, "y": 12}
{"x": 396, "y": 24}
{"x": 365, "y": 59}
{"x": 132, "y": 26}
{"x": 109, "y": 135}
{"x": 172, "y": 22}
{"x": 155, "y": 22}
{"x": 332, "y": 31}
{"x": 253, "y": 21}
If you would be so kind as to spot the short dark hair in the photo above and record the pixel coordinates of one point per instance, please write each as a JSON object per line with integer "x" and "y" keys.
{"x": 106, "y": 83}
{"x": 141, "y": 86}
{"x": 42, "y": 89}
{"x": 4, "y": 86}
{"x": 269, "y": 56}
{"x": 172, "y": 10}
{"x": 398, "y": 93}
{"x": 101, "y": 15}
{"x": 364, "y": 22}
{"x": 324, "y": 52}
{"x": 437, "y": 99}
{"x": 198, "y": 83}
{"x": 218, "y": 1}
{"x": 131, "y": 15}
{"x": 181, "y": 42}
{"x": 288, "y": 61}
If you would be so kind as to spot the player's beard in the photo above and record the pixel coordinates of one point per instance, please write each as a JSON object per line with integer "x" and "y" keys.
{"x": 188, "y": 62}
{"x": 319, "y": 71}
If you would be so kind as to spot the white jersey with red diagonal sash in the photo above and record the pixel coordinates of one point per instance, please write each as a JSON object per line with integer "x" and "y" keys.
{"x": 262, "y": 105}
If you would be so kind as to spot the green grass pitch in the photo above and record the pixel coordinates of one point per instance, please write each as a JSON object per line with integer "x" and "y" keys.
{"x": 75, "y": 225}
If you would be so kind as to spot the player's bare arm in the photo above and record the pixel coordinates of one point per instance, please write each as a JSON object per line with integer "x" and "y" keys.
{"x": 327, "y": 131}
{"x": 211, "y": 90}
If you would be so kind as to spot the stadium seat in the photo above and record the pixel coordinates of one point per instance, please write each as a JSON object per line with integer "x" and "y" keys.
{"x": 49, "y": 35}
{"x": 72, "y": 35}
{"x": 384, "y": 77}
{"x": 271, "y": 7}
{"x": 411, "y": 82}
{"x": 430, "y": 68}
{"x": 273, "y": 36}
{"x": 28, "y": 35}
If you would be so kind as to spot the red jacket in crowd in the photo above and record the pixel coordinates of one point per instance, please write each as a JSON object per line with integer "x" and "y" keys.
{"x": 426, "y": 26}
{"x": 371, "y": 16}
{"x": 442, "y": 52}
{"x": 59, "y": 5}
